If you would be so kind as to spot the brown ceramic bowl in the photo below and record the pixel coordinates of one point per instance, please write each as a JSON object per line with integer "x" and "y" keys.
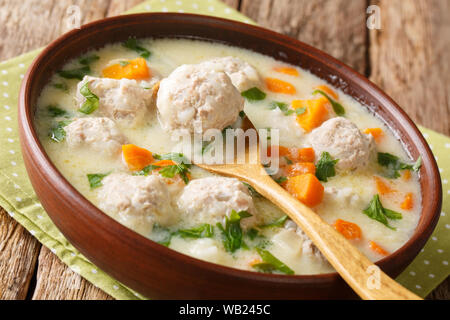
{"x": 152, "y": 269}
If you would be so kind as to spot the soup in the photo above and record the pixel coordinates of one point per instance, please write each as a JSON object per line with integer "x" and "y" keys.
{"x": 111, "y": 122}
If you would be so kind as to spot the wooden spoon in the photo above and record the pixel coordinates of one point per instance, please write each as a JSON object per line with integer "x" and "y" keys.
{"x": 366, "y": 279}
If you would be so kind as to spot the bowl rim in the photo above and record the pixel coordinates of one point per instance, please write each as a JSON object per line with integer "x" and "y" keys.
{"x": 29, "y": 139}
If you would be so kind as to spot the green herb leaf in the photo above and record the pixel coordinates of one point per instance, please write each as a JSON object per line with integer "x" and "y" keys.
{"x": 146, "y": 171}
{"x": 253, "y": 94}
{"x": 417, "y": 164}
{"x": 61, "y": 86}
{"x": 125, "y": 63}
{"x": 161, "y": 235}
{"x": 284, "y": 107}
{"x": 251, "y": 190}
{"x": 92, "y": 101}
{"x": 202, "y": 231}
{"x": 95, "y": 179}
{"x": 377, "y": 212}
{"x": 170, "y": 171}
{"x": 134, "y": 45}
{"x": 337, "y": 107}
{"x": 325, "y": 167}
{"x": 77, "y": 73}
{"x": 87, "y": 60}
{"x": 252, "y": 233}
{"x": 279, "y": 223}
{"x": 392, "y": 165}
{"x": 280, "y": 180}
{"x": 57, "y": 133}
{"x": 300, "y": 111}
{"x": 232, "y": 232}
{"x": 271, "y": 263}
{"x": 242, "y": 114}
{"x": 174, "y": 156}
{"x": 54, "y": 111}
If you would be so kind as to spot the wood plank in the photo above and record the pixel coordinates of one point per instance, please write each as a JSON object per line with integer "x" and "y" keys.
{"x": 46, "y": 20}
{"x": 338, "y": 27}
{"x": 410, "y": 58}
{"x": 18, "y": 255}
{"x": 56, "y": 281}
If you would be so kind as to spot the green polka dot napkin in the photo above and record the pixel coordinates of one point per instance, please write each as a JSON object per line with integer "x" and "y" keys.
{"x": 19, "y": 200}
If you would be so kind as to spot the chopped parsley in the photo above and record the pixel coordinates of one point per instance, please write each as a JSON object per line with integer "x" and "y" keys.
{"x": 242, "y": 114}
{"x": 253, "y": 94}
{"x": 146, "y": 171}
{"x": 271, "y": 263}
{"x": 124, "y": 64}
{"x": 181, "y": 167}
{"x": 337, "y": 107}
{"x": 54, "y": 111}
{"x": 57, "y": 133}
{"x": 232, "y": 232}
{"x": 393, "y": 165}
{"x": 279, "y": 223}
{"x": 284, "y": 107}
{"x": 61, "y": 86}
{"x": 95, "y": 179}
{"x": 77, "y": 73}
{"x": 172, "y": 170}
{"x": 87, "y": 60}
{"x": 281, "y": 180}
{"x": 251, "y": 190}
{"x": 377, "y": 212}
{"x": 133, "y": 44}
{"x": 325, "y": 167}
{"x": 92, "y": 101}
{"x": 202, "y": 231}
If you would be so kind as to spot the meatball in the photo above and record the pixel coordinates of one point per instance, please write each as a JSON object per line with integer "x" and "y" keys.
{"x": 211, "y": 199}
{"x": 122, "y": 100}
{"x": 242, "y": 75}
{"x": 98, "y": 134}
{"x": 137, "y": 201}
{"x": 196, "y": 98}
{"x": 344, "y": 141}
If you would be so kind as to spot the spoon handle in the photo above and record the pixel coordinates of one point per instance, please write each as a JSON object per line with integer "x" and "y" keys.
{"x": 365, "y": 278}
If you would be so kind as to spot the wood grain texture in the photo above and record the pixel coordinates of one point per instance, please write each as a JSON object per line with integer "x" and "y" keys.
{"x": 46, "y": 20}
{"x": 55, "y": 281}
{"x": 410, "y": 58}
{"x": 336, "y": 27}
{"x": 18, "y": 254}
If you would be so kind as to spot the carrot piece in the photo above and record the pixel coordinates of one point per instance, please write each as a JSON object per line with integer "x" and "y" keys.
{"x": 287, "y": 70}
{"x": 315, "y": 113}
{"x": 382, "y": 186}
{"x": 349, "y": 230}
{"x": 328, "y": 90}
{"x": 299, "y": 168}
{"x": 306, "y": 155}
{"x": 135, "y": 157}
{"x": 280, "y": 86}
{"x": 377, "y": 133}
{"x": 306, "y": 188}
{"x": 282, "y": 151}
{"x": 164, "y": 163}
{"x": 406, "y": 175}
{"x": 133, "y": 69}
{"x": 376, "y": 248}
{"x": 408, "y": 202}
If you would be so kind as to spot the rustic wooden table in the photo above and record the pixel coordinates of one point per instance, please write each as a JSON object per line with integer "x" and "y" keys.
{"x": 409, "y": 57}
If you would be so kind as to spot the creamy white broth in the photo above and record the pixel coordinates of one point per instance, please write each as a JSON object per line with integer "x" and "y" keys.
{"x": 283, "y": 243}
